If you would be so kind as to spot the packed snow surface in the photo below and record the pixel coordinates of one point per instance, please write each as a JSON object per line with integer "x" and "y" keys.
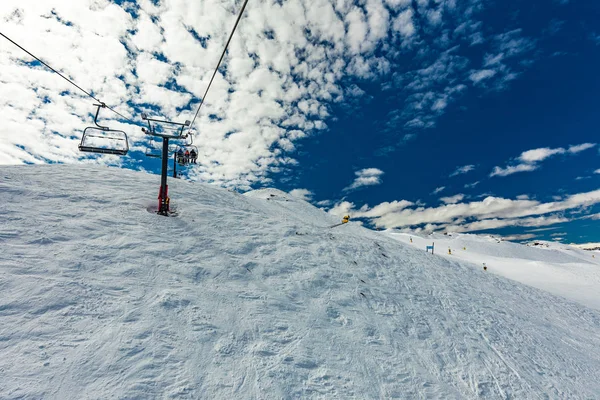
{"x": 561, "y": 269}
{"x": 255, "y": 297}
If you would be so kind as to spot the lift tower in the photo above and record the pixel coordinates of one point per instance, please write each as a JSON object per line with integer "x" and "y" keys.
{"x": 165, "y": 130}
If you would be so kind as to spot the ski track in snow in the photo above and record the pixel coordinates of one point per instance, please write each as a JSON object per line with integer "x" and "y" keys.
{"x": 240, "y": 297}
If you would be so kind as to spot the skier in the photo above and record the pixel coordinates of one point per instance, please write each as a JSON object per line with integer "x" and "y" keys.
{"x": 187, "y": 156}
{"x": 193, "y": 156}
{"x": 180, "y": 156}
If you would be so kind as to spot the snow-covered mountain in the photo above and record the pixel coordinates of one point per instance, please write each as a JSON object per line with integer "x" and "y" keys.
{"x": 255, "y": 297}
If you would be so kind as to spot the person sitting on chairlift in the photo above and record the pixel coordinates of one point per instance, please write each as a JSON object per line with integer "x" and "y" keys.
{"x": 180, "y": 156}
{"x": 193, "y": 156}
{"x": 187, "y": 156}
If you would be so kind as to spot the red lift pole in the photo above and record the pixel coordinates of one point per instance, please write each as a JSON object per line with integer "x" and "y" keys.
{"x": 177, "y": 134}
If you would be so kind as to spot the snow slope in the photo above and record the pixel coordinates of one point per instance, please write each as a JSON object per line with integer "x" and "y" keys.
{"x": 560, "y": 269}
{"x": 240, "y": 297}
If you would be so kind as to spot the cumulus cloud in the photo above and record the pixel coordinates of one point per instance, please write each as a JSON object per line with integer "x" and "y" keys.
{"x": 489, "y": 213}
{"x": 303, "y": 194}
{"x": 453, "y": 199}
{"x": 529, "y": 160}
{"x": 462, "y": 170}
{"x": 365, "y": 177}
{"x": 342, "y": 208}
{"x": 276, "y": 87}
{"x": 519, "y": 237}
{"x": 537, "y": 155}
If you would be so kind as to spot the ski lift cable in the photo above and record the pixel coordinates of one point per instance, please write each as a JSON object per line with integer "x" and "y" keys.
{"x": 218, "y": 64}
{"x": 65, "y": 78}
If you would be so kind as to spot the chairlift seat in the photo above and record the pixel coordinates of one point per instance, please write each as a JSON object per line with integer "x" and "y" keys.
{"x": 153, "y": 152}
{"x": 104, "y": 141}
{"x": 116, "y": 152}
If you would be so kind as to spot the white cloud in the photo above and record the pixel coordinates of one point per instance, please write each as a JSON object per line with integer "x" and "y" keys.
{"x": 384, "y": 208}
{"x": 537, "y": 155}
{"x": 489, "y": 213}
{"x": 341, "y": 208}
{"x": 284, "y": 68}
{"x": 529, "y": 160}
{"x": 303, "y": 194}
{"x": 597, "y": 171}
{"x": 462, "y": 170}
{"x": 438, "y": 189}
{"x": 513, "y": 169}
{"x": 580, "y": 147}
{"x": 478, "y": 76}
{"x": 365, "y": 177}
{"x": 453, "y": 199}
{"x": 404, "y": 24}
{"x": 471, "y": 185}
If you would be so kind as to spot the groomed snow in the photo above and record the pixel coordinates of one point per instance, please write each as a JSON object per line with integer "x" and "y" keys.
{"x": 560, "y": 269}
{"x": 253, "y": 297}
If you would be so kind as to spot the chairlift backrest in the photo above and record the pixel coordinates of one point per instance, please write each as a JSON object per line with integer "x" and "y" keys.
{"x": 103, "y": 140}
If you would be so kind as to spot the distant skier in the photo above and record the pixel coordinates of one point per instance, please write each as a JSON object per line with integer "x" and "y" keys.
{"x": 193, "y": 156}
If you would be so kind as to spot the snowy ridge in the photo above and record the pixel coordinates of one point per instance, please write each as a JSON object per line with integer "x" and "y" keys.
{"x": 240, "y": 297}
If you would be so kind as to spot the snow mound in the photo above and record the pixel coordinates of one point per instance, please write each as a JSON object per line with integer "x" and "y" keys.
{"x": 239, "y": 297}
{"x": 283, "y": 205}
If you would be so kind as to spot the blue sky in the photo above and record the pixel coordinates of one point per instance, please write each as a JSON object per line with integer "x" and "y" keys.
{"x": 470, "y": 116}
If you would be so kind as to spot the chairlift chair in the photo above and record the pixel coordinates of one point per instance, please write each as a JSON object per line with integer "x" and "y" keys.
{"x": 172, "y": 130}
{"x": 183, "y": 149}
{"x": 103, "y": 140}
{"x": 153, "y": 151}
